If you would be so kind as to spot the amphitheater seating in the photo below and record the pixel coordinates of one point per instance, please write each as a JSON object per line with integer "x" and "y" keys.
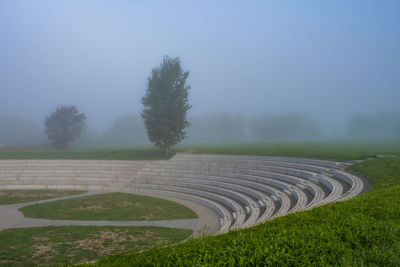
{"x": 242, "y": 190}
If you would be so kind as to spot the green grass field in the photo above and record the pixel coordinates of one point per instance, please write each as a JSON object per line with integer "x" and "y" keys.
{"x": 340, "y": 150}
{"x": 62, "y": 245}
{"x": 143, "y": 153}
{"x": 110, "y": 206}
{"x": 363, "y": 231}
{"x": 19, "y": 196}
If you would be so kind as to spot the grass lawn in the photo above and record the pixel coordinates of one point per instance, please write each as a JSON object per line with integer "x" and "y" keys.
{"x": 340, "y": 150}
{"x": 110, "y": 206}
{"x": 143, "y": 153}
{"x": 363, "y": 231}
{"x": 19, "y": 196}
{"x": 78, "y": 244}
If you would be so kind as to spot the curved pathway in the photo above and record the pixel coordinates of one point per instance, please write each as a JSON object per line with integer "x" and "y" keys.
{"x": 11, "y": 217}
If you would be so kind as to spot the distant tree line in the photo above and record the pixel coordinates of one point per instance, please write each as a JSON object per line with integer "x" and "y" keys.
{"x": 214, "y": 127}
{"x": 224, "y": 127}
{"x": 221, "y": 127}
{"x": 376, "y": 126}
{"x": 126, "y": 130}
{"x": 19, "y": 132}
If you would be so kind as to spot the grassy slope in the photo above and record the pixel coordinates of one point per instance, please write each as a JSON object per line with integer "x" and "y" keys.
{"x": 111, "y": 206}
{"x": 362, "y": 231}
{"x": 40, "y": 246}
{"x": 19, "y": 196}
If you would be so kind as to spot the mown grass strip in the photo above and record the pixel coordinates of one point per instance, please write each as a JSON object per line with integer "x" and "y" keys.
{"x": 334, "y": 150}
{"x": 20, "y": 196}
{"x": 146, "y": 153}
{"x": 339, "y": 150}
{"x": 112, "y": 207}
{"x": 362, "y": 231}
{"x": 41, "y": 246}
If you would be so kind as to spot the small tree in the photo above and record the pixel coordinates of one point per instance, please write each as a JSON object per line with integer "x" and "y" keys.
{"x": 64, "y": 125}
{"x": 166, "y": 103}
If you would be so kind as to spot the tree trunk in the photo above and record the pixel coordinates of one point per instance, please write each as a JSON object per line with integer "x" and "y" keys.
{"x": 61, "y": 145}
{"x": 166, "y": 151}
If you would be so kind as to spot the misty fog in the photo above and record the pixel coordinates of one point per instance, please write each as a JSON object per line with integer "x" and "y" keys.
{"x": 259, "y": 70}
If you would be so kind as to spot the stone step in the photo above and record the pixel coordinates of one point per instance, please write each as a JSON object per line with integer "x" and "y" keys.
{"x": 229, "y": 177}
{"x": 248, "y": 206}
{"x": 235, "y": 208}
{"x": 245, "y": 158}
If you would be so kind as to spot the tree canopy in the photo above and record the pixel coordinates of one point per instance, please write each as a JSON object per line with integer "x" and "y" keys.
{"x": 64, "y": 125}
{"x": 166, "y": 103}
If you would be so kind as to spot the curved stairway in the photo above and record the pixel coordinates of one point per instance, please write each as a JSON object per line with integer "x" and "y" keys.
{"x": 242, "y": 190}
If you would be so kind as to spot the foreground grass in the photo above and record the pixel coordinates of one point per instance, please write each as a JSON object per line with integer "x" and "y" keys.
{"x": 19, "y": 196}
{"x": 77, "y": 244}
{"x": 112, "y": 207}
{"x": 362, "y": 231}
{"x": 340, "y": 150}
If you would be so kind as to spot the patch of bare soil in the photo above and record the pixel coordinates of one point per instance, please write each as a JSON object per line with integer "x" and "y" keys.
{"x": 100, "y": 243}
{"x": 147, "y": 217}
{"x": 107, "y": 242}
{"x": 127, "y": 203}
{"x": 39, "y": 239}
{"x": 87, "y": 205}
{"x": 16, "y": 194}
{"x": 48, "y": 195}
{"x": 99, "y": 206}
{"x": 90, "y": 207}
{"x": 44, "y": 251}
{"x": 28, "y": 195}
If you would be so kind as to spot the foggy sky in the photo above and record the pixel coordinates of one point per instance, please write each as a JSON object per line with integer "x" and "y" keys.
{"x": 330, "y": 59}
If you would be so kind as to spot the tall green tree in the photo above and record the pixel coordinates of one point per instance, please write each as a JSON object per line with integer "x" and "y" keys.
{"x": 166, "y": 103}
{"x": 64, "y": 125}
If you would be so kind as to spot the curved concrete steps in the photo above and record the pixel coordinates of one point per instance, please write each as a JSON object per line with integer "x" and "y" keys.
{"x": 249, "y": 206}
{"x": 241, "y": 190}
